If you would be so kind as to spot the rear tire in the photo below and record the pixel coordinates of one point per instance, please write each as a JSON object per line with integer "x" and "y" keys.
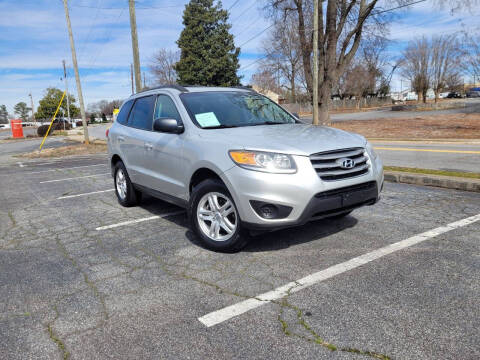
{"x": 126, "y": 194}
{"x": 214, "y": 218}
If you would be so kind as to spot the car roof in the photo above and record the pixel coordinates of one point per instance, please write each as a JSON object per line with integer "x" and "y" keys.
{"x": 177, "y": 89}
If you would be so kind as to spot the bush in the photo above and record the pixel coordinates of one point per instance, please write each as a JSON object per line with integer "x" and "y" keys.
{"x": 59, "y": 126}
{"x": 42, "y": 130}
{"x": 80, "y": 123}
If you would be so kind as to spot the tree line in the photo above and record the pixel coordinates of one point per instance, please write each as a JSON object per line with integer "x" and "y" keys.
{"x": 353, "y": 51}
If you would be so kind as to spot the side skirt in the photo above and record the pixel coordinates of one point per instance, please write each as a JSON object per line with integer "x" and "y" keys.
{"x": 162, "y": 196}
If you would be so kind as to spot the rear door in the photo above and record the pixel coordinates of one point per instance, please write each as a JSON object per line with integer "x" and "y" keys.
{"x": 165, "y": 167}
{"x": 119, "y": 133}
{"x": 140, "y": 123}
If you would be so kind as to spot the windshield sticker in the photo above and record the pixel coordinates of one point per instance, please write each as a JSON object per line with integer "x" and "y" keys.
{"x": 207, "y": 119}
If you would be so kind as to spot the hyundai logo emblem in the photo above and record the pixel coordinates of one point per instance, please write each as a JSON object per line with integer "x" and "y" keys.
{"x": 346, "y": 163}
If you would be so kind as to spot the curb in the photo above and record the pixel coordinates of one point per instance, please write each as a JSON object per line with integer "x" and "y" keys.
{"x": 447, "y": 182}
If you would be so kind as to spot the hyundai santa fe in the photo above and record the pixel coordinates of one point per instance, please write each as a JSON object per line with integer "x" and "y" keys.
{"x": 238, "y": 162}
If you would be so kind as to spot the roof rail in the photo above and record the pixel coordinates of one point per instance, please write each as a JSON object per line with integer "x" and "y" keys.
{"x": 176, "y": 87}
{"x": 243, "y": 87}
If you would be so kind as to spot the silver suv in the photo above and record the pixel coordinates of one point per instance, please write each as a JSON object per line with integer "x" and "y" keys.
{"x": 237, "y": 162}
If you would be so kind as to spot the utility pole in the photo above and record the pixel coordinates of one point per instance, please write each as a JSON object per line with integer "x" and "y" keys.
{"x": 77, "y": 76}
{"x": 144, "y": 81}
{"x": 33, "y": 107}
{"x": 136, "y": 56}
{"x": 131, "y": 77}
{"x": 66, "y": 93}
{"x": 315, "y": 62}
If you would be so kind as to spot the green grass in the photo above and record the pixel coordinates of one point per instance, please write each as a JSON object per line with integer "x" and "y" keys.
{"x": 433, "y": 172}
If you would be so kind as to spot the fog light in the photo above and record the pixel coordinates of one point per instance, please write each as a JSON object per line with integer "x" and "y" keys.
{"x": 268, "y": 211}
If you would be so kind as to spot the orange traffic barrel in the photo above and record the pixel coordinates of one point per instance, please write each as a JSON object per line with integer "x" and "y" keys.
{"x": 17, "y": 129}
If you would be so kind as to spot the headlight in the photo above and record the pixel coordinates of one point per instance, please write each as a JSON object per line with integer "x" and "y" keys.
{"x": 371, "y": 152}
{"x": 263, "y": 161}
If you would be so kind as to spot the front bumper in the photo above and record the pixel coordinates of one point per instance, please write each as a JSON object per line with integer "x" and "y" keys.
{"x": 330, "y": 203}
{"x": 309, "y": 197}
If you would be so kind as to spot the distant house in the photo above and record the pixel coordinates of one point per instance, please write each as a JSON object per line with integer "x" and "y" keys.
{"x": 279, "y": 99}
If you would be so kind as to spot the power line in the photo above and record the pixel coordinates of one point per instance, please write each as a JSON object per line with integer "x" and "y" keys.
{"x": 244, "y": 11}
{"x": 109, "y": 34}
{"x": 84, "y": 43}
{"x": 396, "y": 8}
{"x": 235, "y": 3}
{"x": 252, "y": 63}
{"x": 246, "y": 28}
{"x": 144, "y": 7}
{"x": 376, "y": 13}
{"x": 260, "y": 33}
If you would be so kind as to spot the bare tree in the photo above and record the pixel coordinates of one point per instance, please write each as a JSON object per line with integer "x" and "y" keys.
{"x": 472, "y": 55}
{"x": 454, "y": 82}
{"x": 341, "y": 26}
{"x": 265, "y": 80}
{"x": 104, "y": 107}
{"x": 162, "y": 66}
{"x": 284, "y": 54}
{"x": 416, "y": 66}
{"x": 445, "y": 61}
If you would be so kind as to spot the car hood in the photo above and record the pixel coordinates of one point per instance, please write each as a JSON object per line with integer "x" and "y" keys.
{"x": 294, "y": 139}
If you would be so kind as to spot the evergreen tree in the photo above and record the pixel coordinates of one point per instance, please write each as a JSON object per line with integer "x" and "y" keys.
{"x": 21, "y": 109}
{"x": 3, "y": 114}
{"x": 208, "y": 52}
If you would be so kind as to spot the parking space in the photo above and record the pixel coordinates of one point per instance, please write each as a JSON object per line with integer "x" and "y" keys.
{"x": 85, "y": 278}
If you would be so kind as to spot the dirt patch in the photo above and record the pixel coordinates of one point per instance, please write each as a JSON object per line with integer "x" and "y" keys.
{"x": 455, "y": 126}
{"x": 96, "y": 147}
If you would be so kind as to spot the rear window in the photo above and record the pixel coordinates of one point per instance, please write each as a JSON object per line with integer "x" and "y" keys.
{"x": 124, "y": 111}
{"x": 141, "y": 116}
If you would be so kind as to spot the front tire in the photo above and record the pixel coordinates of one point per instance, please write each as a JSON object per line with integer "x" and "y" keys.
{"x": 214, "y": 217}
{"x": 126, "y": 194}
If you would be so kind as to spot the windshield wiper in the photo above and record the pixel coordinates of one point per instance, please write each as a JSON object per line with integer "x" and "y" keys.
{"x": 270, "y": 123}
{"x": 221, "y": 126}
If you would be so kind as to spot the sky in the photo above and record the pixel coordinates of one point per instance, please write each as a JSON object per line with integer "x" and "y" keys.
{"x": 34, "y": 41}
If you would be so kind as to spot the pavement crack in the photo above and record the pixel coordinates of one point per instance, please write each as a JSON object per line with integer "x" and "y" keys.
{"x": 55, "y": 338}
{"x": 313, "y": 336}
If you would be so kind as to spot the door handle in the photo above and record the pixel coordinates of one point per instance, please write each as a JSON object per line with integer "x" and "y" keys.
{"x": 148, "y": 146}
{"x": 120, "y": 138}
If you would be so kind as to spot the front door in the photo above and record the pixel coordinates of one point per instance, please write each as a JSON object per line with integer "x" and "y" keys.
{"x": 165, "y": 165}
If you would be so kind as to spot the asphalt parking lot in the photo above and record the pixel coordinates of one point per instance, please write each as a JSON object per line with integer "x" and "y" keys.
{"x": 83, "y": 278}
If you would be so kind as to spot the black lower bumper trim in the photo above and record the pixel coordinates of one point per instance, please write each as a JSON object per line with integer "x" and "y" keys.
{"x": 330, "y": 203}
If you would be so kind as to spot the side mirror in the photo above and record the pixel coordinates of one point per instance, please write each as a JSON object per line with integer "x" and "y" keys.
{"x": 296, "y": 115}
{"x": 168, "y": 126}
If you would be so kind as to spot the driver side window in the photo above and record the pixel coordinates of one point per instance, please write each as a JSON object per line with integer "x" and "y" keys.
{"x": 166, "y": 108}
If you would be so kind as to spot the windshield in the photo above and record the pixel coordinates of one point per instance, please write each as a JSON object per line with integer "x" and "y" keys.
{"x": 233, "y": 109}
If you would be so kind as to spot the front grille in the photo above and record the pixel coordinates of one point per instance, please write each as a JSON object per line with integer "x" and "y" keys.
{"x": 328, "y": 165}
{"x": 358, "y": 187}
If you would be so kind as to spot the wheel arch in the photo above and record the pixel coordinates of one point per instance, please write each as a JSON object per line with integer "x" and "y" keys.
{"x": 202, "y": 174}
{"x": 113, "y": 161}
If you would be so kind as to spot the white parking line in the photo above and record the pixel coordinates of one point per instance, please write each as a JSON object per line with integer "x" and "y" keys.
{"x": 60, "y": 169}
{"x": 136, "y": 221}
{"x": 84, "y": 194}
{"x": 242, "y": 307}
{"x": 73, "y": 178}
